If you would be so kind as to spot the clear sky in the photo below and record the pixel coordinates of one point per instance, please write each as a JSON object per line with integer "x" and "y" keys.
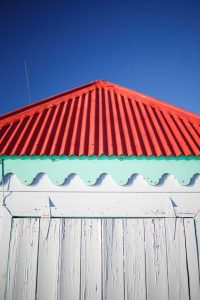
{"x": 150, "y": 46}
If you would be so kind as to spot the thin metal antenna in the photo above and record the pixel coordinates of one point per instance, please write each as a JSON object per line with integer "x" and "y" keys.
{"x": 27, "y": 82}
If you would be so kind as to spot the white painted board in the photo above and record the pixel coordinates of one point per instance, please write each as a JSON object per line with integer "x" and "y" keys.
{"x": 112, "y": 259}
{"x": 69, "y": 277}
{"x": 192, "y": 259}
{"x": 22, "y": 265}
{"x": 48, "y": 259}
{"x": 197, "y": 228}
{"x": 91, "y": 259}
{"x": 103, "y": 258}
{"x": 106, "y": 205}
{"x": 5, "y": 233}
{"x": 134, "y": 259}
{"x": 177, "y": 259}
{"x": 156, "y": 259}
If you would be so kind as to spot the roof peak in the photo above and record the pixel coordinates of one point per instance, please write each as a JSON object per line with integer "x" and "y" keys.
{"x": 100, "y": 118}
{"x": 77, "y": 89}
{"x": 88, "y": 87}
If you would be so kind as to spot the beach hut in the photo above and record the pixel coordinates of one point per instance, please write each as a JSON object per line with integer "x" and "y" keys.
{"x": 100, "y": 198}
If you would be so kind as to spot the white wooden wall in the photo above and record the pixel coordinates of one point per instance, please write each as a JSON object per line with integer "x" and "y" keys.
{"x": 103, "y": 258}
{"x": 99, "y": 242}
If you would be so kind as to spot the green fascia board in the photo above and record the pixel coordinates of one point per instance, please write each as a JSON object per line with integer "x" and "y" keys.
{"x": 90, "y": 168}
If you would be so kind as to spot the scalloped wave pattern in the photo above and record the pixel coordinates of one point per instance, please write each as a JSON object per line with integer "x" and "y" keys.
{"x": 90, "y": 170}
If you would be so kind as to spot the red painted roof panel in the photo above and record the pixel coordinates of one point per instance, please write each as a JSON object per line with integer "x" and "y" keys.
{"x": 100, "y": 118}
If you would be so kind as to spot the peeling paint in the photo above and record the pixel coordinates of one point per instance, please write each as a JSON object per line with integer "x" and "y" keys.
{"x": 103, "y": 259}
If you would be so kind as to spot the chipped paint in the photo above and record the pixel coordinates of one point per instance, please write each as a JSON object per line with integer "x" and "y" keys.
{"x": 103, "y": 259}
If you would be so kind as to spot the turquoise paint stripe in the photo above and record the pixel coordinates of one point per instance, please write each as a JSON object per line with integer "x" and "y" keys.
{"x": 102, "y": 156}
{"x": 90, "y": 168}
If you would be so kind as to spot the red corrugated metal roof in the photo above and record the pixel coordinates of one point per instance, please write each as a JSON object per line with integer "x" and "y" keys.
{"x": 100, "y": 118}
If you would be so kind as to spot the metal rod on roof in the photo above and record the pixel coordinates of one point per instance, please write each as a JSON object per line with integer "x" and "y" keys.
{"x": 27, "y": 82}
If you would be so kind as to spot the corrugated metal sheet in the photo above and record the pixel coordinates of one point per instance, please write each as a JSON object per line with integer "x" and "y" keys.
{"x": 100, "y": 118}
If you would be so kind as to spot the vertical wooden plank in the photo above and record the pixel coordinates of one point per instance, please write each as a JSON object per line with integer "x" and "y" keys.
{"x": 48, "y": 260}
{"x": 69, "y": 286}
{"x": 91, "y": 259}
{"x": 5, "y": 233}
{"x": 176, "y": 259}
{"x": 192, "y": 258}
{"x": 134, "y": 259}
{"x": 112, "y": 256}
{"x": 22, "y": 266}
{"x": 156, "y": 264}
{"x": 197, "y": 228}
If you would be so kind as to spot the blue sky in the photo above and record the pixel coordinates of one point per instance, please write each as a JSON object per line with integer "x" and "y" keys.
{"x": 150, "y": 46}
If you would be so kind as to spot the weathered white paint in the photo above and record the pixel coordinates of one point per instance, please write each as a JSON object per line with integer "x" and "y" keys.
{"x": 5, "y": 232}
{"x": 134, "y": 259}
{"x": 103, "y": 204}
{"x": 112, "y": 259}
{"x": 197, "y": 227}
{"x": 90, "y": 259}
{"x": 48, "y": 259}
{"x": 103, "y": 259}
{"x": 22, "y": 264}
{"x": 156, "y": 259}
{"x": 176, "y": 259}
{"x": 140, "y": 247}
{"x": 104, "y": 184}
{"x": 70, "y": 253}
{"x": 192, "y": 259}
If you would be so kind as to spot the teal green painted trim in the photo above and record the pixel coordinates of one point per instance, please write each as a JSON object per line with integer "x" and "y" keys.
{"x": 89, "y": 169}
{"x": 102, "y": 156}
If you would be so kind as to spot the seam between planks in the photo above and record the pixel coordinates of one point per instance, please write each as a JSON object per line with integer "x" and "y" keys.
{"x": 11, "y": 231}
{"x": 36, "y": 286}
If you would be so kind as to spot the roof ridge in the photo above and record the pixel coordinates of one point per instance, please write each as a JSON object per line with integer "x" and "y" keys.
{"x": 146, "y": 98}
{"x": 33, "y": 107}
{"x": 28, "y": 108}
{"x": 157, "y": 101}
{"x": 92, "y": 84}
{"x": 100, "y": 118}
{"x": 77, "y": 91}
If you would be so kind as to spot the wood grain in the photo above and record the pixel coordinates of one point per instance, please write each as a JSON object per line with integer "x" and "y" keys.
{"x": 48, "y": 259}
{"x": 177, "y": 260}
{"x": 134, "y": 259}
{"x": 102, "y": 259}
{"x": 156, "y": 263}
{"x": 91, "y": 259}
{"x": 112, "y": 256}
{"x": 69, "y": 276}
{"x": 22, "y": 266}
